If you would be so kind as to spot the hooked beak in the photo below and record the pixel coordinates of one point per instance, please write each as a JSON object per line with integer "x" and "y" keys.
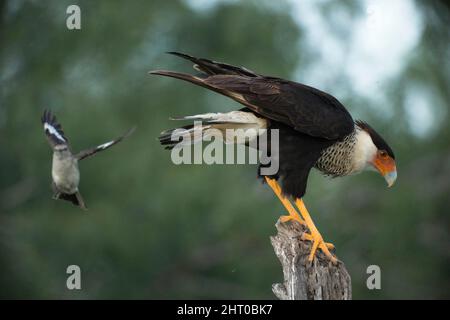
{"x": 387, "y": 168}
{"x": 390, "y": 178}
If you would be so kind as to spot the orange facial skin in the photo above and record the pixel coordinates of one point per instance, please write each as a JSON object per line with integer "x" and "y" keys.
{"x": 386, "y": 166}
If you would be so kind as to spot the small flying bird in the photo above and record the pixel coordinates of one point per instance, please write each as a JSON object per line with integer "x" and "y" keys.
{"x": 315, "y": 131}
{"x": 65, "y": 172}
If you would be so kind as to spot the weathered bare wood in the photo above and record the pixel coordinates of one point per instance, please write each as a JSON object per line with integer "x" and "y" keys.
{"x": 304, "y": 280}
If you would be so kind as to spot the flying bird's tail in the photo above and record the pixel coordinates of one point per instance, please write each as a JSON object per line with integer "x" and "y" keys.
{"x": 75, "y": 198}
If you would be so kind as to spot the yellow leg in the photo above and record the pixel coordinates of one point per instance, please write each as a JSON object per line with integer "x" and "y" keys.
{"x": 293, "y": 214}
{"x": 315, "y": 235}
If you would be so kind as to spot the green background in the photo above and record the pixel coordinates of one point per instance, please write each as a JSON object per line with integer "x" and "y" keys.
{"x": 156, "y": 230}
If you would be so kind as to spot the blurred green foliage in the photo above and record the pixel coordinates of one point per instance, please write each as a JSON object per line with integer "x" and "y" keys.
{"x": 156, "y": 230}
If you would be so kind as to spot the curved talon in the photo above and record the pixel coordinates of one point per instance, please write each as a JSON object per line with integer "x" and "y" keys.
{"x": 325, "y": 250}
{"x": 313, "y": 250}
{"x": 322, "y": 245}
{"x": 309, "y": 237}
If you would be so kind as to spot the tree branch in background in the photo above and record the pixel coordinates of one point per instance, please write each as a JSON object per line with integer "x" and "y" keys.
{"x": 304, "y": 280}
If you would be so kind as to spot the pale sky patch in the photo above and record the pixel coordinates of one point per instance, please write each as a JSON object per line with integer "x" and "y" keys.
{"x": 421, "y": 115}
{"x": 379, "y": 40}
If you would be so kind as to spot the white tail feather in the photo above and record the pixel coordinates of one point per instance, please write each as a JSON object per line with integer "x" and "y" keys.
{"x": 248, "y": 123}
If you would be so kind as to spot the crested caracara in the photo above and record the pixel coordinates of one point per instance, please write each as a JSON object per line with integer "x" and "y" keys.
{"x": 315, "y": 131}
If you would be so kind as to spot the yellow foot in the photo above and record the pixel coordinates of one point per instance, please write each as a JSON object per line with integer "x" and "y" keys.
{"x": 319, "y": 243}
{"x": 309, "y": 237}
{"x": 315, "y": 236}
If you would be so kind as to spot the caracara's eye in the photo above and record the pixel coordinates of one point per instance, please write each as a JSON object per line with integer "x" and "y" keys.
{"x": 383, "y": 154}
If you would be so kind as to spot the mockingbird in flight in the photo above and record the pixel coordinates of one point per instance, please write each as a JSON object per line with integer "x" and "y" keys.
{"x": 65, "y": 172}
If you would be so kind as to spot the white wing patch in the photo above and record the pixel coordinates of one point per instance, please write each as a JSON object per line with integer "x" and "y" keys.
{"x": 53, "y": 131}
{"x": 105, "y": 145}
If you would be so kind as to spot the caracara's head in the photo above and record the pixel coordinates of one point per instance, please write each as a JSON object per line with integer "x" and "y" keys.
{"x": 375, "y": 152}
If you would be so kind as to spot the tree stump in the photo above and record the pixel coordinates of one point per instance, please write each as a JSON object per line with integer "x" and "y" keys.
{"x": 305, "y": 280}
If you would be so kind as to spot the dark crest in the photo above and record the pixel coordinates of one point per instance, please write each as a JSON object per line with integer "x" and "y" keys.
{"x": 376, "y": 138}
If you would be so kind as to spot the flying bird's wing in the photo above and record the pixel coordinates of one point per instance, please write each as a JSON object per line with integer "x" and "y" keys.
{"x": 89, "y": 152}
{"x": 53, "y": 130}
{"x": 301, "y": 107}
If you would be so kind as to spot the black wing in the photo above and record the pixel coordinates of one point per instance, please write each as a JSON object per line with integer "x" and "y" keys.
{"x": 213, "y": 67}
{"x": 53, "y": 130}
{"x": 301, "y": 107}
{"x": 89, "y": 152}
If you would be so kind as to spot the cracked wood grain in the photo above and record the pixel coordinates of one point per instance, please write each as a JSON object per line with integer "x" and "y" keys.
{"x": 305, "y": 280}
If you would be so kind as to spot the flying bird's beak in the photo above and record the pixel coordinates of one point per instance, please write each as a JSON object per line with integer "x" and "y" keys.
{"x": 387, "y": 168}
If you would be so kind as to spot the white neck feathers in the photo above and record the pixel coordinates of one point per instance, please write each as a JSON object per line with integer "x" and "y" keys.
{"x": 364, "y": 152}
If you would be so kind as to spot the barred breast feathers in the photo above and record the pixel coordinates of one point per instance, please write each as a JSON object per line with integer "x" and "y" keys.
{"x": 348, "y": 156}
